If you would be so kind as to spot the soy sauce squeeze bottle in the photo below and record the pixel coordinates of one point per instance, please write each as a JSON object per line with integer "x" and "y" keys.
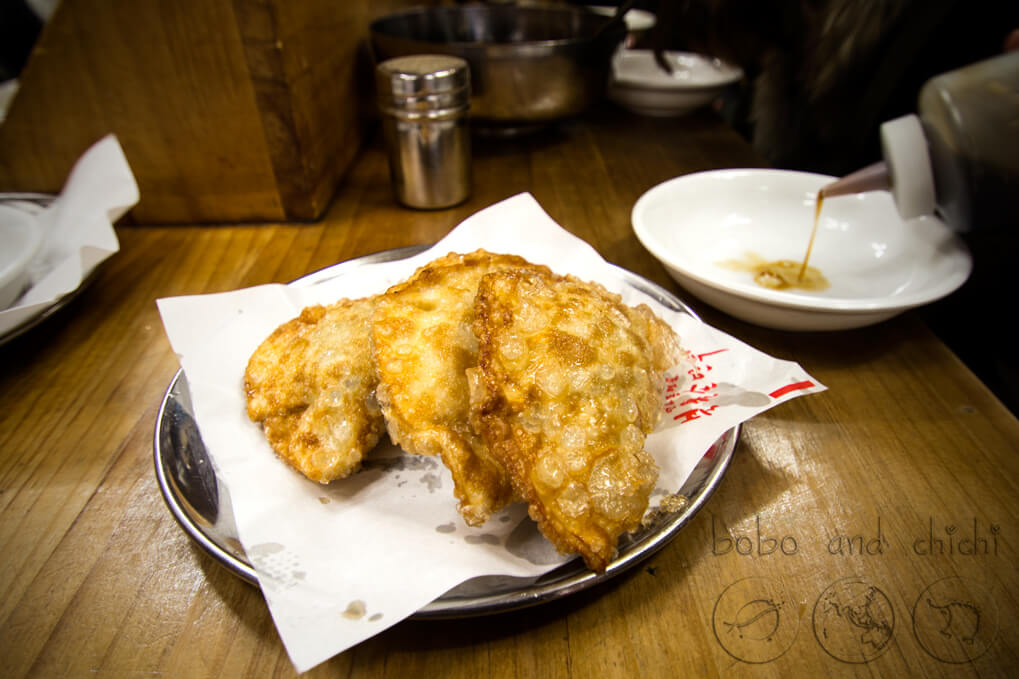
{"x": 958, "y": 157}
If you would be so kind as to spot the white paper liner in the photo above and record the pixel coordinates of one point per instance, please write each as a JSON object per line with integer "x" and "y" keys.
{"x": 77, "y": 230}
{"x": 342, "y": 562}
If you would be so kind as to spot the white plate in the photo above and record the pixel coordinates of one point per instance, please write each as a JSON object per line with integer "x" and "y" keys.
{"x": 877, "y": 264}
{"x": 636, "y": 20}
{"x": 20, "y": 240}
{"x": 638, "y": 83}
{"x": 20, "y": 321}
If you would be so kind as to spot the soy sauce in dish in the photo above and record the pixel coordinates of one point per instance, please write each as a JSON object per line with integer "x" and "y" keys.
{"x": 785, "y": 274}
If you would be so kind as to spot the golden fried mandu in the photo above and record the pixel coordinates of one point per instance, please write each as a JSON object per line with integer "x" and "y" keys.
{"x": 424, "y": 344}
{"x": 527, "y": 384}
{"x": 568, "y": 385}
{"x": 311, "y": 384}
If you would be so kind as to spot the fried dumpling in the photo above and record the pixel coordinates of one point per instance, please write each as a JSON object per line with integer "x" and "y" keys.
{"x": 311, "y": 384}
{"x": 424, "y": 344}
{"x": 569, "y": 383}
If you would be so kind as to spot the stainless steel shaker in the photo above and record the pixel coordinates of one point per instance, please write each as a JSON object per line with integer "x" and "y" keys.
{"x": 424, "y": 100}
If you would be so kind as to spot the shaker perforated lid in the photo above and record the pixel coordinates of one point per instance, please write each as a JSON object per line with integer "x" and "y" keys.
{"x": 423, "y": 81}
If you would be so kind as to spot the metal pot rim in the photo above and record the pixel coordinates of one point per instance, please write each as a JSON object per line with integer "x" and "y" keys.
{"x": 516, "y": 48}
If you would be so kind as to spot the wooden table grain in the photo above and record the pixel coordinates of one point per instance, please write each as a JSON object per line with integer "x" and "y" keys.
{"x": 867, "y": 530}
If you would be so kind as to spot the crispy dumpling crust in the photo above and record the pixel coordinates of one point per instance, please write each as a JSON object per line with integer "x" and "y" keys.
{"x": 528, "y": 385}
{"x": 424, "y": 345}
{"x": 311, "y": 384}
{"x": 568, "y": 385}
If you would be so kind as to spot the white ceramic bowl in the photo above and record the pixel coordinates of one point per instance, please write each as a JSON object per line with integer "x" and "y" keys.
{"x": 877, "y": 264}
{"x": 20, "y": 240}
{"x": 639, "y": 84}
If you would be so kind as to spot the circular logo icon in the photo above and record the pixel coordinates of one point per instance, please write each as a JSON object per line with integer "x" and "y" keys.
{"x": 755, "y": 620}
{"x": 955, "y": 620}
{"x": 853, "y": 620}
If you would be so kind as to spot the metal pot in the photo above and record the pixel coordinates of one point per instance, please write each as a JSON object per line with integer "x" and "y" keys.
{"x": 529, "y": 65}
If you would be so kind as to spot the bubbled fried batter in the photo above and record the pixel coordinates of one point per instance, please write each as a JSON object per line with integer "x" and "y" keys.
{"x": 569, "y": 383}
{"x": 311, "y": 384}
{"x": 424, "y": 345}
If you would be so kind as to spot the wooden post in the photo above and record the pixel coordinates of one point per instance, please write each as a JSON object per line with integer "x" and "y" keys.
{"x": 228, "y": 110}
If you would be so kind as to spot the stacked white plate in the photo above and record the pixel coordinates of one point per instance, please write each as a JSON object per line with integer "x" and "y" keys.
{"x": 20, "y": 240}
{"x": 638, "y": 21}
{"x": 641, "y": 85}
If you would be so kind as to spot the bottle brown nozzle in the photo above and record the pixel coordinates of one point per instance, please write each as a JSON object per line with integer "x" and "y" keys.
{"x": 871, "y": 178}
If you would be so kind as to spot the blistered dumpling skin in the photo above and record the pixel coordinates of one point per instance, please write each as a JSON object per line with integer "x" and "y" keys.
{"x": 311, "y": 384}
{"x": 569, "y": 383}
{"x": 424, "y": 345}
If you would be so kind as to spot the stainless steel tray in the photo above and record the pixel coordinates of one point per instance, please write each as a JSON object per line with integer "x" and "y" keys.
{"x": 201, "y": 504}
{"x": 33, "y": 204}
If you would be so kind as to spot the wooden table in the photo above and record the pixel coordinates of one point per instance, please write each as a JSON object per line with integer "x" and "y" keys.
{"x": 871, "y": 529}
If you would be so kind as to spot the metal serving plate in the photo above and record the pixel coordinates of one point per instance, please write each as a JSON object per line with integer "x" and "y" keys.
{"x": 201, "y": 504}
{"x": 33, "y": 204}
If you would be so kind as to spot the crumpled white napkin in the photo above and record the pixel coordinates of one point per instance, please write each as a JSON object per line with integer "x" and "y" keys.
{"x": 340, "y": 563}
{"x": 77, "y": 229}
